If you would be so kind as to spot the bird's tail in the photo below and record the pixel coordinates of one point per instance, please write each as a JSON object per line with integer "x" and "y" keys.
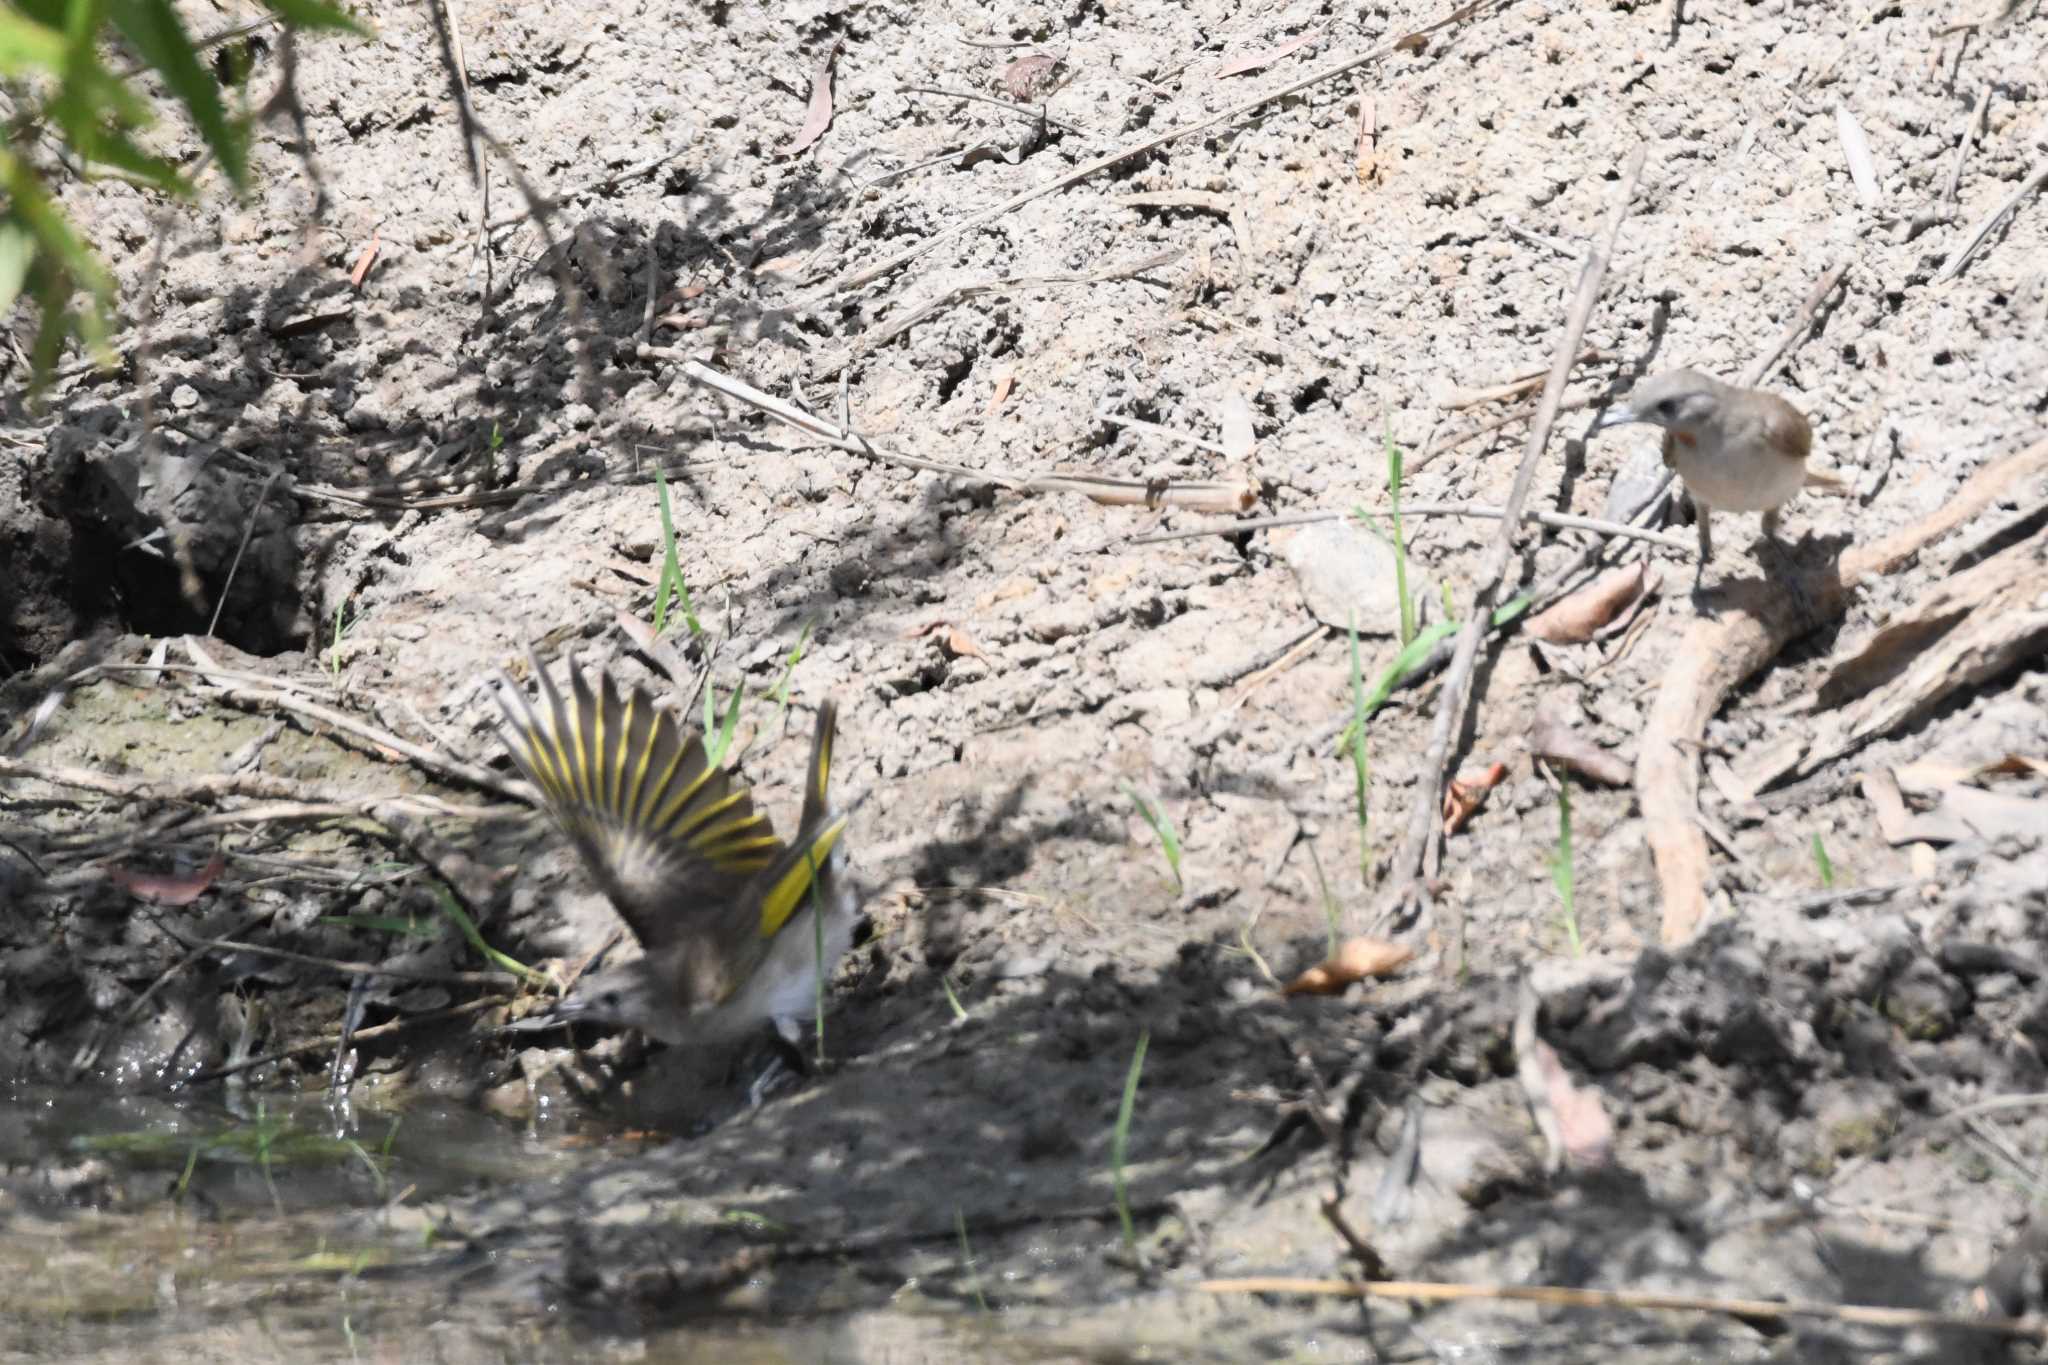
{"x": 808, "y": 868}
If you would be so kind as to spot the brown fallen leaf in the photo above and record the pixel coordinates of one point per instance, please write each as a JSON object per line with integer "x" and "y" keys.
{"x": 1571, "y": 1119}
{"x": 1252, "y": 61}
{"x": 364, "y": 261}
{"x": 960, "y": 645}
{"x": 1580, "y": 616}
{"x": 1464, "y": 793}
{"x": 1368, "y": 156}
{"x": 1005, "y": 381}
{"x": 1030, "y": 76}
{"x": 1195, "y": 495}
{"x": 1355, "y": 960}
{"x": 953, "y": 641}
{"x": 820, "y": 116}
{"x": 167, "y": 888}
{"x": 1554, "y": 741}
{"x": 1009, "y": 590}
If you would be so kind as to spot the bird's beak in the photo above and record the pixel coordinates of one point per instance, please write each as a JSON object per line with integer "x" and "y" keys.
{"x": 1620, "y": 415}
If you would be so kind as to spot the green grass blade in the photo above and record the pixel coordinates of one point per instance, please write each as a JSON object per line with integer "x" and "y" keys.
{"x": 789, "y": 664}
{"x": 1418, "y": 649}
{"x": 672, "y": 583}
{"x": 718, "y": 731}
{"x": 156, "y": 33}
{"x": 1360, "y": 770}
{"x": 1400, "y": 541}
{"x": 1120, "y": 1141}
{"x": 312, "y": 14}
{"x": 1563, "y": 875}
{"x": 1823, "y": 864}
{"x": 462, "y": 921}
{"x": 1169, "y": 838}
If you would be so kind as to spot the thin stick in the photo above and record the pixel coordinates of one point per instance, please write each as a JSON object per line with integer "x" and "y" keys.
{"x": 1513, "y": 388}
{"x": 232, "y": 945}
{"x": 959, "y": 293}
{"x": 1953, "y": 266}
{"x": 220, "y": 603}
{"x": 1561, "y": 520}
{"x": 1557, "y": 1296}
{"x": 1161, "y": 431}
{"x": 1224, "y": 496}
{"x": 90, "y": 1053}
{"x": 479, "y": 169}
{"x": 385, "y": 1029}
{"x": 1955, "y": 170}
{"x": 1424, "y": 822}
{"x": 610, "y": 180}
{"x": 256, "y": 698}
{"x": 1087, "y": 170}
{"x": 1030, "y": 111}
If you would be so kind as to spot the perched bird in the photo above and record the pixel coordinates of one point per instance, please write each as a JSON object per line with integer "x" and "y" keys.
{"x": 1738, "y": 450}
{"x": 737, "y": 927}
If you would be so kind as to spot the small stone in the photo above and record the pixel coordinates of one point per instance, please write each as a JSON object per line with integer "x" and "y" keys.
{"x": 1347, "y": 577}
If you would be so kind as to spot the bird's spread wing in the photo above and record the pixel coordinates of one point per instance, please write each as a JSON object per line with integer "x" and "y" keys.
{"x": 668, "y": 835}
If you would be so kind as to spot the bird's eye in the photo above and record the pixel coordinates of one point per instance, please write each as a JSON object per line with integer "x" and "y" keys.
{"x": 610, "y": 997}
{"x": 1669, "y": 407}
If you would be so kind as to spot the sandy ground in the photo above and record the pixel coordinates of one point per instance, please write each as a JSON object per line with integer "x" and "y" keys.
{"x": 462, "y": 453}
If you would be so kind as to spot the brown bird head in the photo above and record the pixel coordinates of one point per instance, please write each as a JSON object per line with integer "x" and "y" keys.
{"x": 1679, "y": 400}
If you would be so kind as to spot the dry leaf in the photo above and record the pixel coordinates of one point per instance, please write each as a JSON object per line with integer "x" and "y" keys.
{"x": 163, "y": 888}
{"x": 1237, "y": 66}
{"x": 1553, "y": 741}
{"x": 1368, "y": 155}
{"x": 638, "y": 631}
{"x": 1026, "y": 78}
{"x": 1574, "y": 1125}
{"x": 1581, "y": 615}
{"x": 1583, "y": 1128}
{"x": 1355, "y": 960}
{"x": 1005, "y": 381}
{"x": 1464, "y": 793}
{"x": 956, "y": 642}
{"x": 1239, "y": 439}
{"x": 364, "y": 261}
{"x": 1009, "y": 590}
{"x": 820, "y": 116}
{"x": 959, "y": 644}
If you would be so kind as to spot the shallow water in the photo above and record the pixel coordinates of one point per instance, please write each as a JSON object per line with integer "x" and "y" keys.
{"x": 213, "y": 1228}
{"x": 158, "y": 1228}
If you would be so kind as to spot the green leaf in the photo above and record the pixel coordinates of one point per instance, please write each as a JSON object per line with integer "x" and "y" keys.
{"x": 153, "y": 28}
{"x": 1409, "y": 659}
{"x": 718, "y": 733}
{"x": 1407, "y": 603}
{"x": 462, "y": 921}
{"x": 313, "y": 14}
{"x": 17, "y": 253}
{"x": 28, "y": 47}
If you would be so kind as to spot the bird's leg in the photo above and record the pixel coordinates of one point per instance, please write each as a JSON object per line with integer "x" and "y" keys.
{"x": 1703, "y": 515}
{"x": 1771, "y": 523}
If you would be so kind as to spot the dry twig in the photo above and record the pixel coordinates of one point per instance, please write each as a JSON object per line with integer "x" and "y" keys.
{"x": 1423, "y": 826}
{"x": 869, "y": 274}
{"x": 1557, "y": 1296}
